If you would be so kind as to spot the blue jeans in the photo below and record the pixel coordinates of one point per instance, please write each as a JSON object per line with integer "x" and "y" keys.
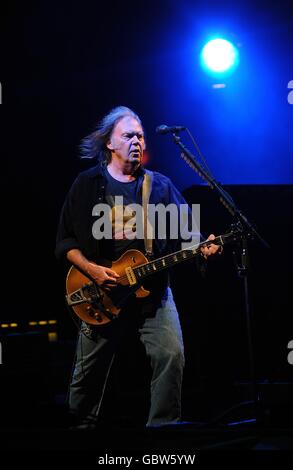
{"x": 161, "y": 335}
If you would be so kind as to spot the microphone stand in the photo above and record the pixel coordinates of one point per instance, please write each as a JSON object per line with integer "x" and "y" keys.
{"x": 247, "y": 232}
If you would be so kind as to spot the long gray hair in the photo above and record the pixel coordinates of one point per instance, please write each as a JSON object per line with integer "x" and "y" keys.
{"x": 94, "y": 145}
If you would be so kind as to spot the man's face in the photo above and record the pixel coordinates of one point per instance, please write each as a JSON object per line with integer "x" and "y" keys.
{"x": 127, "y": 141}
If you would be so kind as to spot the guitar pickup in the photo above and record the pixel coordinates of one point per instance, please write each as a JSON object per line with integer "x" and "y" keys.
{"x": 130, "y": 276}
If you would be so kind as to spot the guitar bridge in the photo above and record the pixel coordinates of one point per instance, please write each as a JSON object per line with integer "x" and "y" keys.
{"x": 85, "y": 294}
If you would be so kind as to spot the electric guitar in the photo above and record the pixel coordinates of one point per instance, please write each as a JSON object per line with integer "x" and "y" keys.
{"x": 92, "y": 304}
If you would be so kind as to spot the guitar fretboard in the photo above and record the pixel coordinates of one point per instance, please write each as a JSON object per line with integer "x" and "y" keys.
{"x": 168, "y": 261}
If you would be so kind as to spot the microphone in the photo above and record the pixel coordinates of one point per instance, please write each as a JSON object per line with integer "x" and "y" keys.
{"x": 166, "y": 129}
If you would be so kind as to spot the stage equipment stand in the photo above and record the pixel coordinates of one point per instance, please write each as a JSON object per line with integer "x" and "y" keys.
{"x": 247, "y": 232}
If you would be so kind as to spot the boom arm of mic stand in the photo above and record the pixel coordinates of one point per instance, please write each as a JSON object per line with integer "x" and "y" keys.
{"x": 225, "y": 197}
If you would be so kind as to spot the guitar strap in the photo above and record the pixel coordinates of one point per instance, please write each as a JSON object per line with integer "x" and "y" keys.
{"x": 147, "y": 227}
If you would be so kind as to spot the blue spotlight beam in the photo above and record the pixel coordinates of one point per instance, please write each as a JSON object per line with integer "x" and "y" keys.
{"x": 219, "y": 57}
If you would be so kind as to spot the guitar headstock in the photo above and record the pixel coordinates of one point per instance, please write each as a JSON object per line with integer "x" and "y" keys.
{"x": 236, "y": 234}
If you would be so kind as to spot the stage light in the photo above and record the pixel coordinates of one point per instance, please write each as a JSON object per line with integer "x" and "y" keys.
{"x": 219, "y": 56}
{"x": 52, "y": 336}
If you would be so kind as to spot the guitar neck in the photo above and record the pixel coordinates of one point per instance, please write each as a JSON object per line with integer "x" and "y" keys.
{"x": 173, "y": 259}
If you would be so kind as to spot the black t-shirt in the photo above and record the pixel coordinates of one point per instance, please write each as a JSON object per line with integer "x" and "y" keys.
{"x": 123, "y": 221}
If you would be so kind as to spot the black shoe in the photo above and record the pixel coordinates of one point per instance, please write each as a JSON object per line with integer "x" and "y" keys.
{"x": 83, "y": 427}
{"x": 81, "y": 424}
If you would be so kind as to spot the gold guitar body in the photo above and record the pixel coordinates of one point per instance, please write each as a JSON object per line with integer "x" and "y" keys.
{"x": 96, "y": 306}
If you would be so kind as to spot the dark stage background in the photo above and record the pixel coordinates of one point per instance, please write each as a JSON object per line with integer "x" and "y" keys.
{"x": 62, "y": 67}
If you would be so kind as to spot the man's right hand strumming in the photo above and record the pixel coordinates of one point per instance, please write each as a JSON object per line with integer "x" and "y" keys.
{"x": 103, "y": 276}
